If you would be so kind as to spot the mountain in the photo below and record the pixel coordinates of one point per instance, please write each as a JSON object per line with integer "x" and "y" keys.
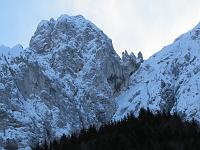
{"x": 168, "y": 81}
{"x": 66, "y": 80}
{"x": 71, "y": 77}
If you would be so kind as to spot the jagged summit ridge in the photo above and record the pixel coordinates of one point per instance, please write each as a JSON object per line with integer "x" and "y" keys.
{"x": 70, "y": 30}
{"x": 168, "y": 80}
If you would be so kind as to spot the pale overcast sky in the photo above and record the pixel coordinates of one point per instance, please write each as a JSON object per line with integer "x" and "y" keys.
{"x": 133, "y": 25}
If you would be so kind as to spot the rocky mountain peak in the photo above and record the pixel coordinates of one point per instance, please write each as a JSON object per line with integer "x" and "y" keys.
{"x": 66, "y": 80}
{"x": 71, "y": 31}
{"x": 140, "y": 57}
{"x": 71, "y": 77}
{"x": 130, "y": 62}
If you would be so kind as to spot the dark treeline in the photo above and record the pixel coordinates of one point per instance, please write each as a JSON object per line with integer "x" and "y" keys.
{"x": 161, "y": 131}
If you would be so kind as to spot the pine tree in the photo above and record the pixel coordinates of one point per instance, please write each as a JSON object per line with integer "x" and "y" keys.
{"x": 158, "y": 131}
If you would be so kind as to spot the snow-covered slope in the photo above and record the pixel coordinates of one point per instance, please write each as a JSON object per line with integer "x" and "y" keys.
{"x": 10, "y": 52}
{"x": 71, "y": 77}
{"x": 66, "y": 80}
{"x": 169, "y": 80}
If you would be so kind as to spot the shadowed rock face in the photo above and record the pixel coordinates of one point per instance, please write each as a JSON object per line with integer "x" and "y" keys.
{"x": 66, "y": 80}
{"x": 130, "y": 62}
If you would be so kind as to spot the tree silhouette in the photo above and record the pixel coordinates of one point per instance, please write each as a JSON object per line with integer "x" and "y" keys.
{"x": 148, "y": 131}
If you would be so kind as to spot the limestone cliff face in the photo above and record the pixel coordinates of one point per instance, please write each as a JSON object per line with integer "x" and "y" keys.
{"x": 66, "y": 80}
